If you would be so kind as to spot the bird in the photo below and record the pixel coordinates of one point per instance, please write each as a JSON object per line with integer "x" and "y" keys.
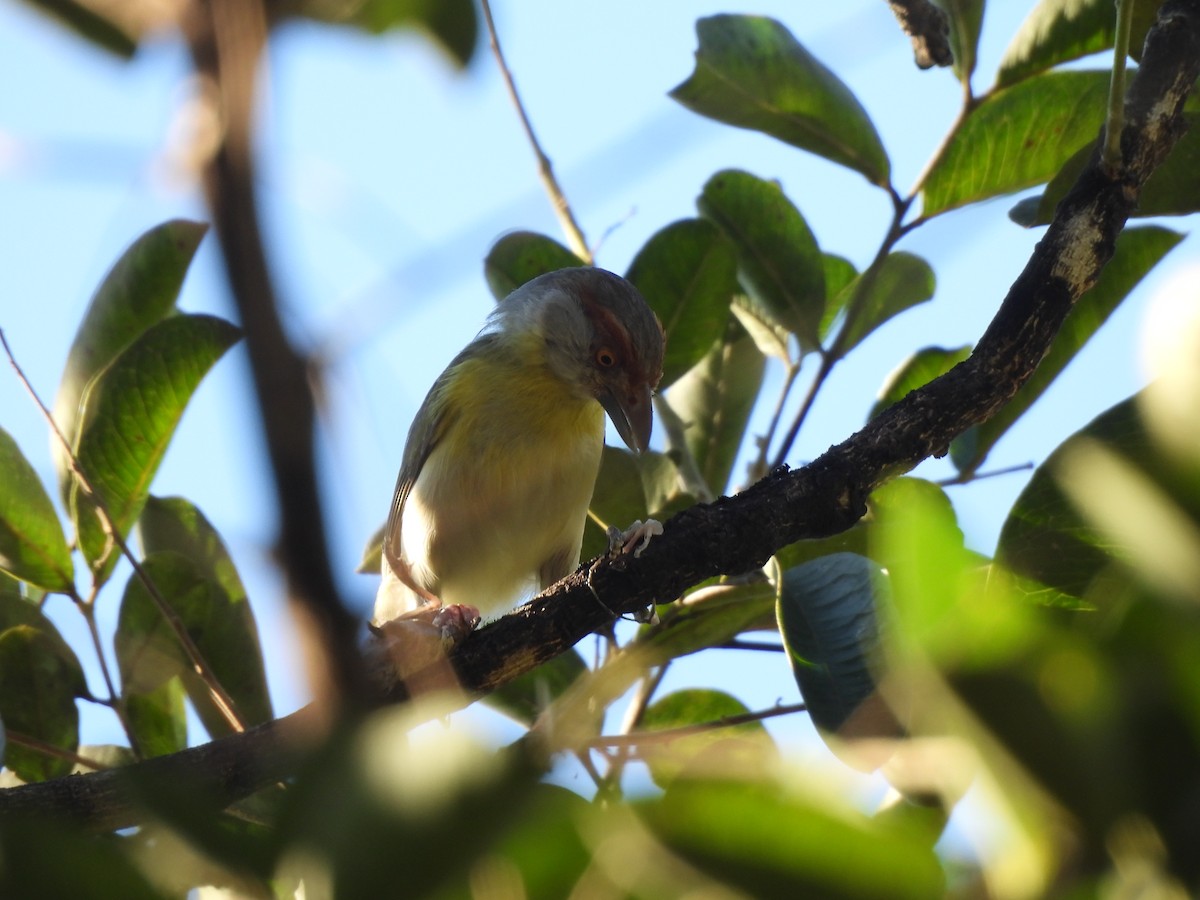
{"x": 502, "y": 456}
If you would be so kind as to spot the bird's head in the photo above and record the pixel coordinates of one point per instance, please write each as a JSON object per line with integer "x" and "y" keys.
{"x": 600, "y": 337}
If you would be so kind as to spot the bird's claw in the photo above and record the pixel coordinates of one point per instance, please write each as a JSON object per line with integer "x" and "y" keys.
{"x": 633, "y": 539}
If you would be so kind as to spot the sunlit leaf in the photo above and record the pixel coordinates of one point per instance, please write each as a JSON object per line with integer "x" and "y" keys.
{"x": 37, "y": 699}
{"x": 522, "y": 256}
{"x": 1058, "y": 31}
{"x": 1172, "y": 190}
{"x": 719, "y": 750}
{"x": 453, "y": 24}
{"x": 131, "y": 413}
{"x": 918, "y": 370}
{"x": 900, "y": 281}
{"x": 158, "y": 718}
{"x": 32, "y": 545}
{"x": 770, "y": 336}
{"x": 1138, "y": 250}
{"x": 1063, "y": 553}
{"x": 779, "y": 263}
{"x": 139, "y": 291}
{"x": 714, "y": 400}
{"x": 687, "y": 272}
{"x": 149, "y": 653}
{"x": 750, "y": 72}
{"x": 966, "y": 20}
{"x": 372, "y": 555}
{"x": 1016, "y": 138}
{"x": 827, "y": 617}
{"x": 769, "y": 842}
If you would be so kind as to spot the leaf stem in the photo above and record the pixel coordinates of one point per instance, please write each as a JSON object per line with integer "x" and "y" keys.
{"x": 87, "y": 608}
{"x": 1114, "y": 123}
{"x": 558, "y": 200}
{"x": 221, "y": 698}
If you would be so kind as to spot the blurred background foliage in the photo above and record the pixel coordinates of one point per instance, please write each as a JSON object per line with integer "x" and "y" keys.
{"x": 1057, "y": 680}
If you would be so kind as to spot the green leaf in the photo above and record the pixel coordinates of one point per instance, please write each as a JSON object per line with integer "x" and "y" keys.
{"x": 831, "y": 631}
{"x": 37, "y": 699}
{"x": 32, "y": 545}
{"x": 1057, "y": 31}
{"x": 714, "y": 400}
{"x": 452, "y": 24}
{"x": 221, "y": 626}
{"x": 372, "y": 555}
{"x": 900, "y": 281}
{"x": 1138, "y": 250}
{"x": 769, "y": 842}
{"x": 17, "y": 610}
{"x": 632, "y": 487}
{"x": 527, "y": 696}
{"x": 103, "y": 24}
{"x": 770, "y": 336}
{"x": 1108, "y": 497}
{"x": 719, "y": 750}
{"x": 840, "y": 276}
{"x": 707, "y": 618}
{"x": 1016, "y": 138}
{"x": 522, "y": 256}
{"x": 779, "y": 262}
{"x": 139, "y": 291}
{"x": 918, "y": 370}
{"x": 966, "y": 20}
{"x": 1172, "y": 190}
{"x": 158, "y": 718}
{"x": 687, "y": 272}
{"x": 131, "y": 411}
{"x": 750, "y": 72}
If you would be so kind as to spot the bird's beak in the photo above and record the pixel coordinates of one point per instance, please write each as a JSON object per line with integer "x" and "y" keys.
{"x": 632, "y": 413}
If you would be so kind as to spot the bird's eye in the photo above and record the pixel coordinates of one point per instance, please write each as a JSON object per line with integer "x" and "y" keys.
{"x": 605, "y": 358}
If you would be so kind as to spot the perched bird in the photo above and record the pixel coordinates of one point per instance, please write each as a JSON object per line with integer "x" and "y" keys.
{"x": 503, "y": 454}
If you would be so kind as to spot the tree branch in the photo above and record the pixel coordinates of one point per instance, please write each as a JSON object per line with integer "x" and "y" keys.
{"x": 227, "y": 38}
{"x": 738, "y": 534}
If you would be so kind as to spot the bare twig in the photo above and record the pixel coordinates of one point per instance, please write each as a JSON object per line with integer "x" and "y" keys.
{"x": 203, "y": 670}
{"x": 38, "y": 746}
{"x": 666, "y": 735}
{"x": 558, "y": 200}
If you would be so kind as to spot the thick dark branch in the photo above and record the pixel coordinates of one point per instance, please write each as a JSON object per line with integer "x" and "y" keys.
{"x": 930, "y": 32}
{"x": 227, "y": 38}
{"x": 738, "y": 534}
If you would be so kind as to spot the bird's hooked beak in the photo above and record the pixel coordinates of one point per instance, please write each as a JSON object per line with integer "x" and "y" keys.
{"x": 632, "y": 413}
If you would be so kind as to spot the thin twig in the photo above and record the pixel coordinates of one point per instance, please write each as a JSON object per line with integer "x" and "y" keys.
{"x": 1114, "y": 122}
{"x": 223, "y": 701}
{"x": 759, "y": 467}
{"x": 87, "y": 609}
{"x": 968, "y": 477}
{"x": 558, "y": 200}
{"x": 666, "y": 735}
{"x": 39, "y": 746}
{"x": 737, "y": 644}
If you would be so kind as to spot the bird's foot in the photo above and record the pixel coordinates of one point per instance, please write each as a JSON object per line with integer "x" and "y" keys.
{"x": 633, "y": 539}
{"x": 452, "y": 622}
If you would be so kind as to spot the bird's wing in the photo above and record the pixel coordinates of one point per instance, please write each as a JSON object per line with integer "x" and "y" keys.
{"x": 430, "y": 424}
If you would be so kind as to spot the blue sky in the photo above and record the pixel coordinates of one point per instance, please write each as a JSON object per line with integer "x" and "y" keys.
{"x": 386, "y": 175}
